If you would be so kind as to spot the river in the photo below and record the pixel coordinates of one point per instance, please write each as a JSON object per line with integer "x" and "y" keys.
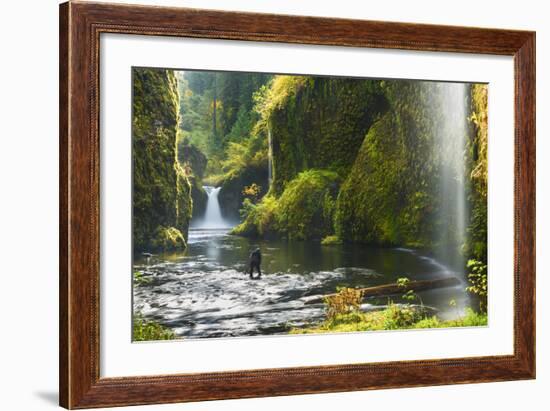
{"x": 206, "y": 291}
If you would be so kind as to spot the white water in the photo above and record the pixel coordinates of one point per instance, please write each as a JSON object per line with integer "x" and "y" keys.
{"x": 213, "y": 216}
{"x": 452, "y": 103}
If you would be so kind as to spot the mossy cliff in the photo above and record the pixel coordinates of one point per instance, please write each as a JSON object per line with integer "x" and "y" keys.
{"x": 476, "y": 244}
{"x": 391, "y": 195}
{"x": 305, "y": 210}
{"x": 231, "y": 193}
{"x": 193, "y": 161}
{"x": 375, "y": 162}
{"x": 318, "y": 123}
{"x": 316, "y": 127}
{"x": 161, "y": 200}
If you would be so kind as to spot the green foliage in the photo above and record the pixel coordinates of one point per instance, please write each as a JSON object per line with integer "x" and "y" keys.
{"x": 392, "y": 318}
{"x": 217, "y": 109}
{"x": 247, "y": 208}
{"x": 317, "y": 123}
{"x": 386, "y": 141}
{"x": 148, "y": 330}
{"x": 260, "y": 219}
{"x": 252, "y": 195}
{"x": 479, "y": 118}
{"x": 139, "y": 279}
{"x": 306, "y": 207}
{"x": 396, "y": 317}
{"x": 242, "y": 172}
{"x": 470, "y": 319}
{"x": 331, "y": 240}
{"x": 276, "y": 93}
{"x": 409, "y": 295}
{"x": 168, "y": 239}
{"x": 346, "y": 301}
{"x": 477, "y": 278}
{"x": 305, "y": 210}
{"x": 476, "y": 244}
{"x": 239, "y": 156}
{"x": 403, "y": 282}
{"x": 390, "y": 196}
{"x": 161, "y": 190}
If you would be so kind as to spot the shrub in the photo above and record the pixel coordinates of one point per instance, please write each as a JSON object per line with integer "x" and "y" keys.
{"x": 396, "y": 317}
{"x": 260, "y": 218}
{"x": 331, "y": 240}
{"x": 346, "y": 301}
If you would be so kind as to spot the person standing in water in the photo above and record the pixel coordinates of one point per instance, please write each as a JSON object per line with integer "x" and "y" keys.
{"x": 255, "y": 261}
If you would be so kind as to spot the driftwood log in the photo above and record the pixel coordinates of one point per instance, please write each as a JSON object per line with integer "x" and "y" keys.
{"x": 394, "y": 288}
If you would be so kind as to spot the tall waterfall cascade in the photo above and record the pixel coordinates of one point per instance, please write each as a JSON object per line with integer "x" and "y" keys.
{"x": 453, "y": 105}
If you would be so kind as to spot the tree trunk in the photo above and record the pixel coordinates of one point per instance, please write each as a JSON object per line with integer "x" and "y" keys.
{"x": 390, "y": 289}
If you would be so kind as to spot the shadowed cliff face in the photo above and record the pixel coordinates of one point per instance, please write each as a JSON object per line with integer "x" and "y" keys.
{"x": 161, "y": 199}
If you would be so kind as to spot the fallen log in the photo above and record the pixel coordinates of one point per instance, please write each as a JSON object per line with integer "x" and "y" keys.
{"x": 394, "y": 288}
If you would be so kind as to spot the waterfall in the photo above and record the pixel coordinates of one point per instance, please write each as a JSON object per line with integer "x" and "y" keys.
{"x": 213, "y": 216}
{"x": 452, "y": 105}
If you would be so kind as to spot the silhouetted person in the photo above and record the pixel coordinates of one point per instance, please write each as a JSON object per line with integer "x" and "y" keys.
{"x": 255, "y": 261}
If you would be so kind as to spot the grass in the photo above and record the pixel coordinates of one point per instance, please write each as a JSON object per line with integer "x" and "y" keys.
{"x": 147, "y": 330}
{"x": 392, "y": 318}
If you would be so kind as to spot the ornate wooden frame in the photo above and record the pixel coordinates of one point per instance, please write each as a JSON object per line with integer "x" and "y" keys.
{"x": 80, "y": 27}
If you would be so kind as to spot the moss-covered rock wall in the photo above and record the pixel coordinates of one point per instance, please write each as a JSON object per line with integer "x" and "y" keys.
{"x": 476, "y": 245}
{"x": 391, "y": 194}
{"x": 319, "y": 123}
{"x": 231, "y": 193}
{"x": 379, "y": 162}
{"x": 162, "y": 203}
{"x": 193, "y": 162}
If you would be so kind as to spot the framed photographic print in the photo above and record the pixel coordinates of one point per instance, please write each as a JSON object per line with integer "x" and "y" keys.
{"x": 258, "y": 205}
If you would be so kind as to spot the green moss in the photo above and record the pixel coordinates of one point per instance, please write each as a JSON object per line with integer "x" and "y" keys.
{"x": 184, "y": 202}
{"x": 232, "y": 184}
{"x": 392, "y": 195}
{"x": 168, "y": 239}
{"x": 318, "y": 123}
{"x": 476, "y": 243}
{"x": 393, "y": 318}
{"x": 470, "y": 319}
{"x": 306, "y": 207}
{"x": 331, "y": 240}
{"x": 147, "y": 330}
{"x": 305, "y": 210}
{"x": 161, "y": 190}
{"x": 261, "y": 220}
{"x": 382, "y": 201}
{"x": 140, "y": 280}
